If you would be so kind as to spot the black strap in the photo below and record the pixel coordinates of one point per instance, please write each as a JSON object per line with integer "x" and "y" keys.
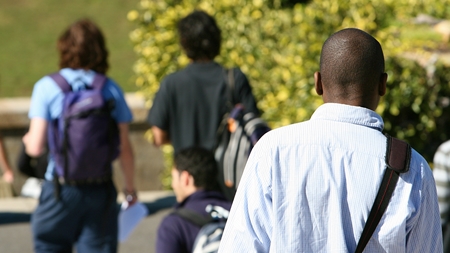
{"x": 230, "y": 85}
{"x": 398, "y": 155}
{"x": 222, "y": 133}
{"x": 192, "y": 216}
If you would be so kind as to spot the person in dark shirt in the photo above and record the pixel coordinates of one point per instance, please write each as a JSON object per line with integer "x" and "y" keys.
{"x": 191, "y": 181}
{"x": 190, "y": 103}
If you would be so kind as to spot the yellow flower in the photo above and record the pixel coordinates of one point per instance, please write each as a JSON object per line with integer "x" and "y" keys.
{"x": 257, "y": 14}
{"x": 258, "y": 3}
{"x": 250, "y": 59}
{"x": 132, "y": 15}
{"x": 283, "y": 93}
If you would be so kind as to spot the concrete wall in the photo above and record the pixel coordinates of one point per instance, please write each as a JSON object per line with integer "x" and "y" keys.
{"x": 148, "y": 159}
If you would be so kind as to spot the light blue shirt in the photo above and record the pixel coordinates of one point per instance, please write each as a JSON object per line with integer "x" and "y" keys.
{"x": 47, "y": 99}
{"x": 309, "y": 187}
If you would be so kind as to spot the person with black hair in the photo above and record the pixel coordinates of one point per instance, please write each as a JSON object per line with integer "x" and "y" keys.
{"x": 194, "y": 190}
{"x": 190, "y": 103}
{"x": 310, "y": 186}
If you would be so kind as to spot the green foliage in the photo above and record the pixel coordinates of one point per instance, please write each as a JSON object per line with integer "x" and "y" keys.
{"x": 416, "y": 108}
{"x": 279, "y": 49}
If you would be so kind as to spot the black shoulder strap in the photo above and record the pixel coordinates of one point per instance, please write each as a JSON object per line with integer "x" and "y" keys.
{"x": 398, "y": 156}
{"x": 192, "y": 216}
{"x": 229, "y": 80}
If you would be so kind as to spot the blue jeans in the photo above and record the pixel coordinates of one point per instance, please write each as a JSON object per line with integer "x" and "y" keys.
{"x": 84, "y": 216}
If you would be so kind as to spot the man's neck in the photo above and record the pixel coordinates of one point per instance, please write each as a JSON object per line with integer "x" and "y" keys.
{"x": 361, "y": 102}
{"x": 203, "y": 60}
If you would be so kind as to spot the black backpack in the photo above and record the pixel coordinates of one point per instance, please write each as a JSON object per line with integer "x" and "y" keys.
{"x": 237, "y": 134}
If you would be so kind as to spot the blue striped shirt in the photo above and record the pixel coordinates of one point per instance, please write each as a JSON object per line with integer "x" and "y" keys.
{"x": 309, "y": 187}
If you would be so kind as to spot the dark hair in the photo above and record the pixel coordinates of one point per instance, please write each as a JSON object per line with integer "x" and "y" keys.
{"x": 82, "y": 46}
{"x": 199, "y": 36}
{"x": 200, "y": 164}
{"x": 352, "y": 60}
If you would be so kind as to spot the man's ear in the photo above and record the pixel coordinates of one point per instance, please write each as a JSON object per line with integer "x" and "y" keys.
{"x": 188, "y": 179}
{"x": 382, "y": 84}
{"x": 184, "y": 177}
{"x": 318, "y": 83}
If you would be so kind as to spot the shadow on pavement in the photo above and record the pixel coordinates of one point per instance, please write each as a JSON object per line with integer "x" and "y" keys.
{"x": 7, "y": 218}
{"x": 160, "y": 204}
{"x": 153, "y": 207}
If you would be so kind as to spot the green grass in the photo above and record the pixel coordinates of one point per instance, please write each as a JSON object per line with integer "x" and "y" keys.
{"x": 29, "y": 30}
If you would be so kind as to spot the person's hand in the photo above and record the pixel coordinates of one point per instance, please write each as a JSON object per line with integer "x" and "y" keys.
{"x": 130, "y": 196}
{"x": 8, "y": 176}
{"x": 26, "y": 137}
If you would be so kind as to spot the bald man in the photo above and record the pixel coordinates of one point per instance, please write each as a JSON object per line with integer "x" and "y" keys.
{"x": 309, "y": 187}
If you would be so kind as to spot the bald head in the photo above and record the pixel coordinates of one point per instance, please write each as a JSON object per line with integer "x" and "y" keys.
{"x": 351, "y": 67}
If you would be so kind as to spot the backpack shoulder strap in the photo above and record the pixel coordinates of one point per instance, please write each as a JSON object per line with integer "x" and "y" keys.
{"x": 192, "y": 216}
{"x": 230, "y": 85}
{"x": 99, "y": 81}
{"x": 61, "y": 82}
{"x": 398, "y": 156}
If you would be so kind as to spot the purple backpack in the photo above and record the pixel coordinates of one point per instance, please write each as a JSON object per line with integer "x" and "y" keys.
{"x": 84, "y": 140}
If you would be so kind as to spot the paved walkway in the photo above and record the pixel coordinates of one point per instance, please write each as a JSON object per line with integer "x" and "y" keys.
{"x": 15, "y": 234}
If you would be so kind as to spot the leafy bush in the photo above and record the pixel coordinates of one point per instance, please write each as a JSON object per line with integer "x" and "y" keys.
{"x": 416, "y": 108}
{"x": 279, "y": 49}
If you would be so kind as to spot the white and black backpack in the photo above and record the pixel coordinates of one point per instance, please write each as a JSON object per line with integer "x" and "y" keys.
{"x": 212, "y": 226}
{"x": 237, "y": 134}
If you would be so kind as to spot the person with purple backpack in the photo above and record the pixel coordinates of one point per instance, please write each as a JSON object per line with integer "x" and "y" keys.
{"x": 84, "y": 118}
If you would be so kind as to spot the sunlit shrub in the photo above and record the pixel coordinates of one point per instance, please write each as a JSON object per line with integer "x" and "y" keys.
{"x": 279, "y": 48}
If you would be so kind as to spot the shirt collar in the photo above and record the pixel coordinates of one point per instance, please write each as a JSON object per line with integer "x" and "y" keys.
{"x": 78, "y": 78}
{"x": 198, "y": 195}
{"x": 349, "y": 114}
{"x": 202, "y": 65}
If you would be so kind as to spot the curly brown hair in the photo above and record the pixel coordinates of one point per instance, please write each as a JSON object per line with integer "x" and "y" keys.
{"x": 82, "y": 46}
